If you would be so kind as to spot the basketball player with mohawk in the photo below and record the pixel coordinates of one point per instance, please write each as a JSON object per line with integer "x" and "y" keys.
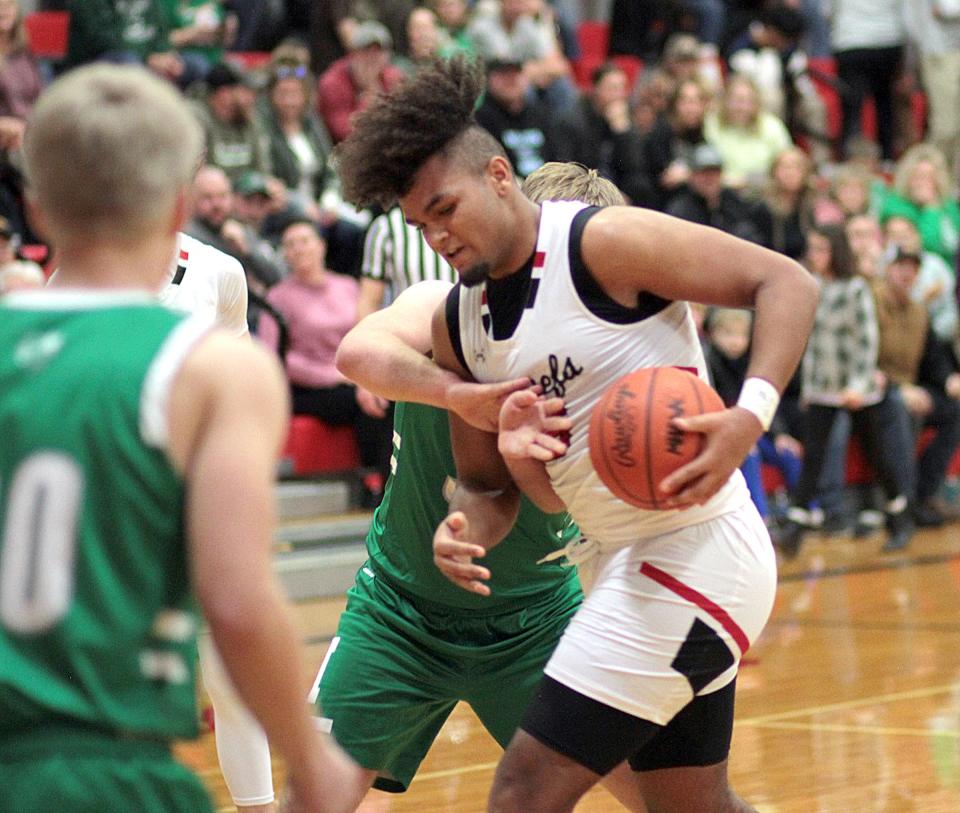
{"x": 574, "y": 297}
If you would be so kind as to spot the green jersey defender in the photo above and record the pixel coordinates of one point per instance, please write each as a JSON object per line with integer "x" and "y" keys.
{"x": 97, "y": 622}
{"x": 410, "y": 644}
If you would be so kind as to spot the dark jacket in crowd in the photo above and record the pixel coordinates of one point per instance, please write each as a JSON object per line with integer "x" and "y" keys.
{"x": 726, "y": 374}
{"x": 788, "y": 231}
{"x": 936, "y": 363}
{"x": 734, "y": 215}
{"x": 285, "y": 164}
{"x": 584, "y": 135}
{"x": 528, "y": 136}
{"x": 663, "y": 145}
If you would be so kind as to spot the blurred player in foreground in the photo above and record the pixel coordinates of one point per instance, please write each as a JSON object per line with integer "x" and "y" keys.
{"x": 123, "y": 491}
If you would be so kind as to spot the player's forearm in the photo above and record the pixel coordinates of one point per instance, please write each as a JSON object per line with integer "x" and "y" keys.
{"x": 532, "y": 479}
{"x": 784, "y": 310}
{"x": 491, "y": 515}
{"x": 390, "y": 368}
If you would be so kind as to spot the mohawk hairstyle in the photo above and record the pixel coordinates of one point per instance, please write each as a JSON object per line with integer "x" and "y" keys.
{"x": 399, "y": 132}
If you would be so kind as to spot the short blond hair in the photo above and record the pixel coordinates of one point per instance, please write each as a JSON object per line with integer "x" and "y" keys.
{"x": 558, "y": 180}
{"x": 107, "y": 150}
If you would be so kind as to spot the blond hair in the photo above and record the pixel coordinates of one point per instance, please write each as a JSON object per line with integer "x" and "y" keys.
{"x": 557, "y": 180}
{"x": 732, "y": 81}
{"x": 107, "y": 150}
{"x": 772, "y": 193}
{"x": 850, "y": 173}
{"x": 918, "y": 154}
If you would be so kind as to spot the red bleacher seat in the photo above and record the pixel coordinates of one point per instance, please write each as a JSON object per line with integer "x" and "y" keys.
{"x": 314, "y": 447}
{"x": 632, "y": 66}
{"x": 249, "y": 60}
{"x": 771, "y": 479}
{"x": 593, "y": 36}
{"x": 859, "y": 471}
{"x": 37, "y": 253}
{"x": 47, "y": 33}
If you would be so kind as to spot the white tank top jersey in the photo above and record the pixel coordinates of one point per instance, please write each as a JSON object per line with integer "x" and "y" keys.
{"x": 208, "y": 283}
{"x": 573, "y": 353}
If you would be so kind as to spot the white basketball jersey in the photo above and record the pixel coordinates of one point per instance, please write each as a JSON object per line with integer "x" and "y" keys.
{"x": 206, "y": 282}
{"x": 573, "y": 353}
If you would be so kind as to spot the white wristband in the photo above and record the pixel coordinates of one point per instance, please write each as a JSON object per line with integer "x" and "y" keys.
{"x": 761, "y": 398}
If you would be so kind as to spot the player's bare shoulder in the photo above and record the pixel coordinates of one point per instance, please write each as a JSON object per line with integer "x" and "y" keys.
{"x": 622, "y": 246}
{"x": 225, "y": 377}
{"x": 614, "y": 227}
{"x": 630, "y": 250}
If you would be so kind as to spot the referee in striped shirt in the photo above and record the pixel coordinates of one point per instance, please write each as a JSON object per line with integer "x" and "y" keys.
{"x": 396, "y": 254}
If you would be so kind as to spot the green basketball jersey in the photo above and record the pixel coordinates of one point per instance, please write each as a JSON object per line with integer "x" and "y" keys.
{"x": 96, "y": 618}
{"x": 400, "y": 542}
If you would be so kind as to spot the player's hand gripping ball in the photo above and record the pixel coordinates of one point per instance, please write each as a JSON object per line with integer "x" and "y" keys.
{"x": 633, "y": 444}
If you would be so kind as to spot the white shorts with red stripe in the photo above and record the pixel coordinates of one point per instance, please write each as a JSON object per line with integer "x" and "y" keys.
{"x": 669, "y": 617}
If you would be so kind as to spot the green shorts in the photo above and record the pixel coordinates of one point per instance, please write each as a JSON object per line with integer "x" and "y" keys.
{"x": 399, "y": 665}
{"x": 89, "y": 772}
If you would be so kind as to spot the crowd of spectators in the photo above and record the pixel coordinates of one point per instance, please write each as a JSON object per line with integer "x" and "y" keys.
{"x": 746, "y": 116}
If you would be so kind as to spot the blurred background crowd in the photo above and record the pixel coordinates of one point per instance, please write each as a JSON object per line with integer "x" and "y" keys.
{"x": 827, "y": 130}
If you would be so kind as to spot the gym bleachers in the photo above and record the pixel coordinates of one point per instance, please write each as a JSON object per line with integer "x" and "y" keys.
{"x": 314, "y": 447}
{"x": 47, "y": 33}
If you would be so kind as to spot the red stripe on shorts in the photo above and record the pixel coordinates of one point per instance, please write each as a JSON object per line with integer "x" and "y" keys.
{"x": 720, "y": 615}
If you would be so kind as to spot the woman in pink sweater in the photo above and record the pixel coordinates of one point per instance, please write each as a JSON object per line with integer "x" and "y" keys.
{"x": 319, "y": 306}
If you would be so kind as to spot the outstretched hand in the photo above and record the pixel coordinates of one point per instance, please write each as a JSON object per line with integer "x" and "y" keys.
{"x": 729, "y": 437}
{"x": 530, "y": 426}
{"x": 453, "y": 553}
{"x": 479, "y": 404}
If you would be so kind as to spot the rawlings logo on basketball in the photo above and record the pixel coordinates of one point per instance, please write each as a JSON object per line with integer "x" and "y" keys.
{"x": 633, "y": 442}
{"x": 674, "y": 435}
{"x": 624, "y": 425}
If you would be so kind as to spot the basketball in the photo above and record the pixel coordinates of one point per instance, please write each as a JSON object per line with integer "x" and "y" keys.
{"x": 633, "y": 445}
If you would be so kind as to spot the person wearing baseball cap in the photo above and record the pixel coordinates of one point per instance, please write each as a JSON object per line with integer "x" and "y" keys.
{"x": 921, "y": 370}
{"x": 707, "y": 200}
{"x": 349, "y": 84}
{"x": 234, "y": 140}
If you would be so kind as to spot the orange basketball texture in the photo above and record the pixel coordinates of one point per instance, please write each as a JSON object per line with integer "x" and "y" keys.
{"x": 632, "y": 443}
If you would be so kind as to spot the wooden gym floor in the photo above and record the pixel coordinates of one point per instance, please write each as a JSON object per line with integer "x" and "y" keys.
{"x": 849, "y": 702}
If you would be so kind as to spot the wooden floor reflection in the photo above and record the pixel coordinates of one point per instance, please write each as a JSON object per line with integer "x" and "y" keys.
{"x": 849, "y": 702}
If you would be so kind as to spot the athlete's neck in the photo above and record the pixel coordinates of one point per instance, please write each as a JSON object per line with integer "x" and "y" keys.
{"x": 143, "y": 265}
{"x": 524, "y": 241}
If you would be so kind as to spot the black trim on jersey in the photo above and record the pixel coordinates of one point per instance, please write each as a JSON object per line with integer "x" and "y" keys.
{"x": 178, "y": 276}
{"x": 452, "y": 310}
{"x": 594, "y": 298}
{"x": 507, "y": 298}
{"x": 532, "y": 296}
